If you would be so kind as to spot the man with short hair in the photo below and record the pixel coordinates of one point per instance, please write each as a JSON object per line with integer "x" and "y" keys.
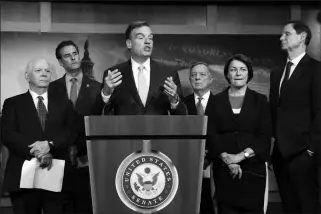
{"x": 82, "y": 92}
{"x": 295, "y": 97}
{"x": 199, "y": 103}
{"x": 36, "y": 125}
{"x": 140, "y": 86}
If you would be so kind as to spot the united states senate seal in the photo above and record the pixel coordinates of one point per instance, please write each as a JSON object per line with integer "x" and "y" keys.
{"x": 146, "y": 182}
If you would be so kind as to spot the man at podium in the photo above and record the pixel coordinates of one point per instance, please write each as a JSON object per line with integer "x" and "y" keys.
{"x": 140, "y": 86}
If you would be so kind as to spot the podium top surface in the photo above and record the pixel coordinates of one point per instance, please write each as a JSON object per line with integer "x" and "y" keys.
{"x": 146, "y": 125}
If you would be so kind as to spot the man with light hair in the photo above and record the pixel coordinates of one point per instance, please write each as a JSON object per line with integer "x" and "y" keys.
{"x": 36, "y": 125}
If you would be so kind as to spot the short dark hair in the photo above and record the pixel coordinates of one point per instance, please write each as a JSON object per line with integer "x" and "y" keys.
{"x": 133, "y": 26}
{"x": 64, "y": 44}
{"x": 300, "y": 27}
{"x": 241, "y": 58}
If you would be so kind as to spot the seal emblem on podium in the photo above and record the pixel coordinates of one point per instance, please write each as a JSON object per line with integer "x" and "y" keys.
{"x": 146, "y": 181}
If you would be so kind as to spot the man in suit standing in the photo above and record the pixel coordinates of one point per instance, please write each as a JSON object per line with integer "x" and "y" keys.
{"x": 36, "y": 125}
{"x": 199, "y": 103}
{"x": 81, "y": 91}
{"x": 140, "y": 86}
{"x": 295, "y": 98}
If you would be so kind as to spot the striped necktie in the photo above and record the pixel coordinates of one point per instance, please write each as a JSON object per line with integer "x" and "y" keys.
{"x": 42, "y": 112}
{"x": 199, "y": 106}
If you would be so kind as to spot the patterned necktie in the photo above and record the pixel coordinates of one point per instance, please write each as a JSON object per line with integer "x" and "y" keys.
{"x": 199, "y": 106}
{"x": 286, "y": 76}
{"x": 73, "y": 90}
{"x": 42, "y": 112}
{"x": 142, "y": 85}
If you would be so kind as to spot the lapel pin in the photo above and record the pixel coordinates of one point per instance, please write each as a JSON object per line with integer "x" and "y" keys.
{"x": 87, "y": 85}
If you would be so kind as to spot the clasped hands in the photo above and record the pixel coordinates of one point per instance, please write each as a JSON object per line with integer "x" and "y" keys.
{"x": 40, "y": 150}
{"x": 232, "y": 161}
{"x": 114, "y": 79}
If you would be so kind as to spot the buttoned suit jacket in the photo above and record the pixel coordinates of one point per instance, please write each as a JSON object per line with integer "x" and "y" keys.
{"x": 296, "y": 115}
{"x": 234, "y": 133}
{"x": 21, "y": 127}
{"x": 125, "y": 99}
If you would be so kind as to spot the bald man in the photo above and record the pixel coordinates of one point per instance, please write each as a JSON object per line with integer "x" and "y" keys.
{"x": 35, "y": 125}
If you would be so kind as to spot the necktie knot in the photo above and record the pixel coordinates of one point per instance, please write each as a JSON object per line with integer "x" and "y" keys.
{"x": 141, "y": 68}
{"x": 73, "y": 80}
{"x": 40, "y": 98}
{"x": 288, "y": 68}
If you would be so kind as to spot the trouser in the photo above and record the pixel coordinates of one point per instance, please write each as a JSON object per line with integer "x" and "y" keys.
{"x": 297, "y": 182}
{"x": 37, "y": 201}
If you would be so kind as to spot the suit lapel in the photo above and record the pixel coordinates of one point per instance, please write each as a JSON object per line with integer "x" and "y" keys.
{"x": 31, "y": 111}
{"x": 295, "y": 77}
{"x": 277, "y": 77}
{"x": 246, "y": 106}
{"x": 209, "y": 104}
{"x": 153, "y": 86}
{"x": 53, "y": 104}
{"x": 61, "y": 86}
{"x": 84, "y": 92}
{"x": 226, "y": 105}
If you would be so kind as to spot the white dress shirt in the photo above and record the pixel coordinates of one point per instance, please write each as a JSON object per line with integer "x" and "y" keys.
{"x": 295, "y": 62}
{"x": 204, "y": 101}
{"x": 35, "y": 98}
{"x": 69, "y": 83}
{"x": 146, "y": 71}
{"x": 135, "y": 66}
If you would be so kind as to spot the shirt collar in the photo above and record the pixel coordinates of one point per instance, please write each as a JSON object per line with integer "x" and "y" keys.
{"x": 136, "y": 65}
{"x": 78, "y": 77}
{"x": 297, "y": 59}
{"x": 35, "y": 95}
{"x": 206, "y": 96}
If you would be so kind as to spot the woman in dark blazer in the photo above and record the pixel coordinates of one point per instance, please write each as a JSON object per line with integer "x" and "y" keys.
{"x": 240, "y": 141}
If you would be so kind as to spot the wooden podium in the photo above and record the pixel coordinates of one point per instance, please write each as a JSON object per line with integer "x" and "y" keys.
{"x": 113, "y": 140}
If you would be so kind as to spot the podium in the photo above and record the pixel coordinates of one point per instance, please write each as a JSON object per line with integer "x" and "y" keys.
{"x": 146, "y": 164}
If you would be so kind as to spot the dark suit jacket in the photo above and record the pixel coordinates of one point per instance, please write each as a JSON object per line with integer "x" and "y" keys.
{"x": 86, "y": 97}
{"x": 296, "y": 115}
{"x": 191, "y": 108}
{"x": 21, "y": 127}
{"x": 234, "y": 133}
{"x": 125, "y": 99}
{"x": 191, "y": 105}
